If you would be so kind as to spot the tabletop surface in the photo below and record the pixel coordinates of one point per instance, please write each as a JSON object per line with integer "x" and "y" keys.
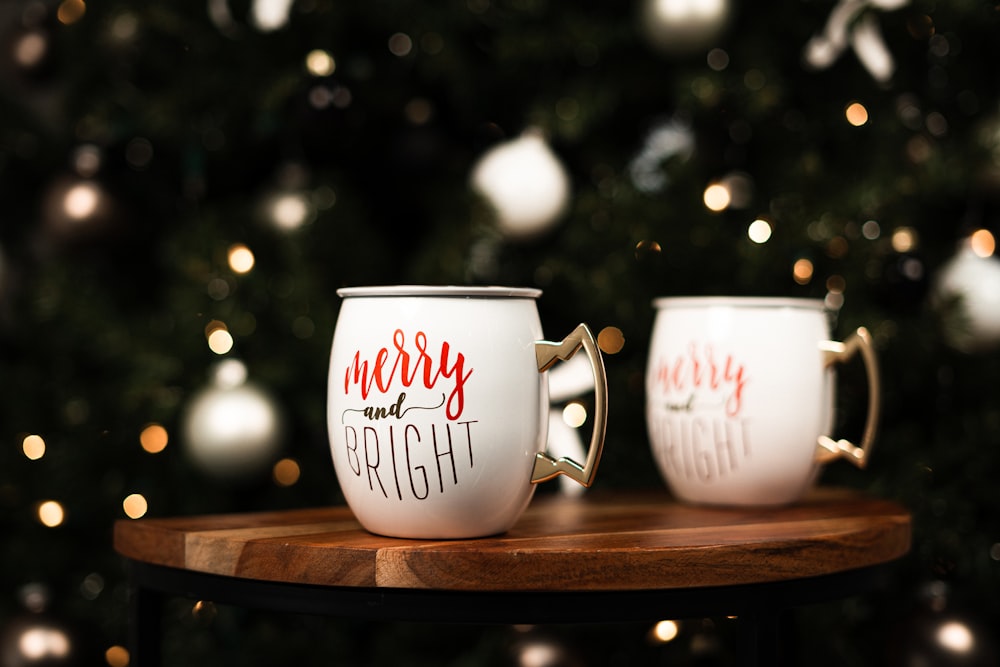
{"x": 602, "y": 540}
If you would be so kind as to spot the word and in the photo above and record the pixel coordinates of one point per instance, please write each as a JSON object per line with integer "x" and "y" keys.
{"x": 411, "y": 461}
{"x": 375, "y": 413}
{"x": 409, "y": 363}
{"x": 701, "y": 448}
{"x": 699, "y": 370}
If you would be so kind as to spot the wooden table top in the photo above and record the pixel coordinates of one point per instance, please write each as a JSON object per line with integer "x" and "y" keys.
{"x": 599, "y": 541}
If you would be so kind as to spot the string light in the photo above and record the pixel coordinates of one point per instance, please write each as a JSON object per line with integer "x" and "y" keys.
{"x": 759, "y": 231}
{"x": 154, "y": 438}
{"x": 665, "y": 631}
{"x": 33, "y": 447}
{"x": 241, "y": 259}
{"x": 135, "y": 506}
{"x": 117, "y": 656}
{"x": 611, "y": 340}
{"x": 716, "y": 197}
{"x": 982, "y": 243}
{"x": 400, "y": 44}
{"x": 71, "y": 11}
{"x": 802, "y": 271}
{"x": 904, "y": 239}
{"x": 320, "y": 63}
{"x": 286, "y": 472}
{"x": 219, "y": 339}
{"x": 856, "y": 114}
{"x": 51, "y": 513}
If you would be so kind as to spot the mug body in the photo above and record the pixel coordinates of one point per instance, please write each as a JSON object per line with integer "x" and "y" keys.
{"x": 436, "y": 408}
{"x": 737, "y": 393}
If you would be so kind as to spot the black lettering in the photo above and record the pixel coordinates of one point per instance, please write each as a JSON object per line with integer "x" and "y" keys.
{"x": 368, "y": 460}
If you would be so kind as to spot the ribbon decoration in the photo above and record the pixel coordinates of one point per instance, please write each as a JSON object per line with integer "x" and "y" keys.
{"x": 851, "y": 25}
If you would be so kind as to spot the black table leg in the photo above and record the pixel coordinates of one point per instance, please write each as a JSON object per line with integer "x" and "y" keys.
{"x": 145, "y": 626}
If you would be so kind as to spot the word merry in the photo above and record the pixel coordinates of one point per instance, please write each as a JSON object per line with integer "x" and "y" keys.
{"x": 413, "y": 462}
{"x": 699, "y": 369}
{"x": 409, "y": 366}
{"x": 701, "y": 448}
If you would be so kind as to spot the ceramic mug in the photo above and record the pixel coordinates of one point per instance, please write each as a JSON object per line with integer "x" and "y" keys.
{"x": 740, "y": 397}
{"x": 438, "y": 407}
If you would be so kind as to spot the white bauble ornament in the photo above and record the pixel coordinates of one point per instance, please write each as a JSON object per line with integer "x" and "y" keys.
{"x": 232, "y": 429}
{"x": 967, "y": 293}
{"x": 683, "y": 26}
{"x": 525, "y": 183}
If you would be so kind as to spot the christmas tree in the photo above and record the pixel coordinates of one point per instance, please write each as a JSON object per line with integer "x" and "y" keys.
{"x": 185, "y": 186}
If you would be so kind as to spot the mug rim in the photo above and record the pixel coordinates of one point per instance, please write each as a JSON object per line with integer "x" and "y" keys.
{"x": 739, "y": 302}
{"x": 447, "y": 291}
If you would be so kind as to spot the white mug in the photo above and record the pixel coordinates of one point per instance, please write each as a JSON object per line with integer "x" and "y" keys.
{"x": 438, "y": 407}
{"x": 740, "y": 397}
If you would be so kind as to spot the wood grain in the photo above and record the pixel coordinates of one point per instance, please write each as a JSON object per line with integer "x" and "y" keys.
{"x": 601, "y": 541}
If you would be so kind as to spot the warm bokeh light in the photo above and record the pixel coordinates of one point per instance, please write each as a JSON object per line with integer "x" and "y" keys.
{"x": 983, "y": 243}
{"x": 71, "y": 11}
{"x": 117, "y": 656}
{"x": 856, "y": 114}
{"x": 154, "y": 438}
{"x": 290, "y": 211}
{"x": 645, "y": 249}
{"x": 81, "y": 201}
{"x": 575, "y": 415}
{"x": 665, "y": 631}
{"x": 759, "y": 231}
{"x": 904, "y": 239}
{"x": 802, "y": 271}
{"x": 611, "y": 340}
{"x": 51, "y": 513}
{"x": 956, "y": 637}
{"x": 320, "y": 63}
{"x": 286, "y": 472}
{"x": 717, "y": 197}
{"x": 241, "y": 259}
{"x": 30, "y": 49}
{"x": 135, "y": 506}
{"x": 219, "y": 339}
{"x": 33, "y": 447}
{"x": 42, "y": 645}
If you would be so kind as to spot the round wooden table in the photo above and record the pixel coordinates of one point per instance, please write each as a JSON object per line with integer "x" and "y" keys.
{"x": 600, "y": 557}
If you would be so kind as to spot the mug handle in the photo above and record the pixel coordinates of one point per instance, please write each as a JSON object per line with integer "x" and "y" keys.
{"x": 546, "y": 354}
{"x": 833, "y": 353}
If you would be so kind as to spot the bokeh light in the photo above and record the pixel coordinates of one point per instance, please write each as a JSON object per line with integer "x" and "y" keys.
{"x": 802, "y": 271}
{"x": 81, "y": 201}
{"x": 759, "y": 231}
{"x": 644, "y": 249}
{"x": 320, "y": 63}
{"x": 400, "y": 44}
{"x": 856, "y": 114}
{"x": 135, "y": 506}
{"x": 154, "y": 438}
{"x": 42, "y": 644}
{"x": 574, "y": 415}
{"x": 219, "y": 339}
{"x": 983, "y": 243}
{"x": 904, "y": 239}
{"x": 286, "y": 472}
{"x": 71, "y": 11}
{"x": 611, "y": 340}
{"x": 290, "y": 211}
{"x": 241, "y": 258}
{"x": 33, "y": 446}
{"x": 956, "y": 637}
{"x": 51, "y": 513}
{"x": 665, "y": 631}
{"x": 717, "y": 197}
{"x": 117, "y": 656}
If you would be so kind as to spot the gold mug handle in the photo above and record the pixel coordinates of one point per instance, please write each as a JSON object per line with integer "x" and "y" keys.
{"x": 834, "y": 352}
{"x": 547, "y": 353}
